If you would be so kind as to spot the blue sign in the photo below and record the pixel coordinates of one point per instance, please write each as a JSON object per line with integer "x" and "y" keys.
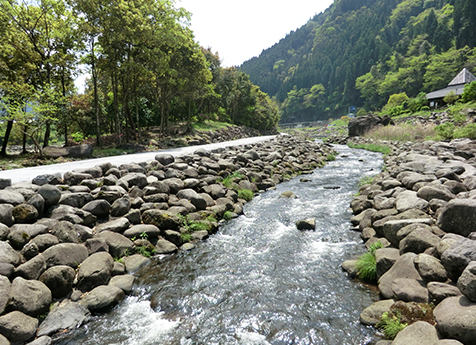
{"x": 353, "y": 108}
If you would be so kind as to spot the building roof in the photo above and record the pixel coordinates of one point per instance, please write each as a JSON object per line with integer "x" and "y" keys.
{"x": 458, "y": 90}
{"x": 464, "y": 77}
{"x": 457, "y": 85}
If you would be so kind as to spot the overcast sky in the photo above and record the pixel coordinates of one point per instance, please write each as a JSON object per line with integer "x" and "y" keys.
{"x": 239, "y": 30}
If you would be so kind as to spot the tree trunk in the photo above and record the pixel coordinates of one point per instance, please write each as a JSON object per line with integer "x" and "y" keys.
{"x": 96, "y": 98}
{"x": 24, "y": 140}
{"x": 116, "y": 109}
{"x": 65, "y": 135}
{"x": 6, "y": 137}
{"x": 46, "y": 139}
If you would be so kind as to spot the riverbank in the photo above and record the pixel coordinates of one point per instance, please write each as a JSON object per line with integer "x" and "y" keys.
{"x": 421, "y": 209}
{"x": 69, "y": 244}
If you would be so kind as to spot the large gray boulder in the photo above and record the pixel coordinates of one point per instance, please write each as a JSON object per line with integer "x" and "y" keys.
{"x": 191, "y": 195}
{"x": 467, "y": 281}
{"x": 68, "y": 254}
{"x": 418, "y": 333}
{"x": 5, "y": 287}
{"x": 440, "y": 291}
{"x": 18, "y": 327}
{"x": 8, "y": 254}
{"x": 99, "y": 208}
{"x": 372, "y": 314}
{"x": 362, "y": 124}
{"x": 458, "y": 216}
{"x": 11, "y": 197}
{"x": 65, "y": 232}
{"x": 161, "y": 219}
{"x": 385, "y": 258}
{"x": 391, "y": 228}
{"x": 124, "y": 282}
{"x": 418, "y": 241}
{"x": 430, "y": 268}
{"x": 119, "y": 245}
{"x": 102, "y": 298}
{"x": 51, "y": 194}
{"x": 142, "y": 230}
{"x": 134, "y": 262}
{"x": 32, "y": 269}
{"x": 410, "y": 290}
{"x": 434, "y": 191}
{"x": 117, "y": 225}
{"x": 76, "y": 151}
{"x": 65, "y": 317}
{"x": 94, "y": 271}
{"x": 404, "y": 267}
{"x": 458, "y": 256}
{"x": 59, "y": 279}
{"x": 31, "y": 297}
{"x": 408, "y": 200}
{"x": 456, "y": 319}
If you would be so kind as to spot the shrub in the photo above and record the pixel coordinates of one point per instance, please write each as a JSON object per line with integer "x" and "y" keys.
{"x": 371, "y": 147}
{"x": 245, "y": 194}
{"x": 417, "y": 103}
{"x": 227, "y": 181}
{"x": 402, "y": 132}
{"x": 366, "y": 180}
{"x": 391, "y": 325}
{"x": 446, "y": 130}
{"x": 361, "y": 112}
{"x": 395, "y": 104}
{"x": 331, "y": 157}
{"x": 468, "y": 131}
{"x": 450, "y": 97}
{"x": 469, "y": 93}
{"x": 366, "y": 265}
{"x": 228, "y": 215}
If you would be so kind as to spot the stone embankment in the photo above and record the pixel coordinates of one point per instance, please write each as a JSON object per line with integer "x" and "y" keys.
{"x": 68, "y": 244}
{"x": 422, "y": 208}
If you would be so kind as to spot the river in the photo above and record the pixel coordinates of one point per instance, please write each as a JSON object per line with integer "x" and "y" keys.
{"x": 259, "y": 280}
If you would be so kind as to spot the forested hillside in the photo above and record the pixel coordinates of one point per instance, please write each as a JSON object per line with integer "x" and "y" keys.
{"x": 359, "y": 52}
{"x": 146, "y": 69}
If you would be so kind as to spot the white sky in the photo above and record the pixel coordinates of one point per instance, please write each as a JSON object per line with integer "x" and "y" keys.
{"x": 240, "y": 30}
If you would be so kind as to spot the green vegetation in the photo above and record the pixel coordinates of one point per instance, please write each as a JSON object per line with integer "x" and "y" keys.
{"x": 227, "y": 181}
{"x": 363, "y": 52}
{"x": 245, "y": 194}
{"x": 145, "y": 251}
{"x": 371, "y": 147}
{"x": 228, "y": 215}
{"x": 403, "y": 132}
{"x": 331, "y": 157}
{"x": 366, "y": 180}
{"x": 391, "y": 325}
{"x": 366, "y": 265}
{"x": 190, "y": 226}
{"x": 150, "y": 72}
{"x": 209, "y": 125}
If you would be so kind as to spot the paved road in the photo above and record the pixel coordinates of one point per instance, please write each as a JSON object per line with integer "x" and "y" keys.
{"x": 27, "y": 174}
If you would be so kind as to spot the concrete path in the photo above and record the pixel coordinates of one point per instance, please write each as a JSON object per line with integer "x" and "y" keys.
{"x": 28, "y": 174}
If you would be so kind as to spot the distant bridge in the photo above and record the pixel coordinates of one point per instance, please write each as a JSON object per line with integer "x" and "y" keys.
{"x": 303, "y": 124}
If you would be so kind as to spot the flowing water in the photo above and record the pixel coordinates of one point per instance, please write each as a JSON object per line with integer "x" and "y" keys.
{"x": 258, "y": 280}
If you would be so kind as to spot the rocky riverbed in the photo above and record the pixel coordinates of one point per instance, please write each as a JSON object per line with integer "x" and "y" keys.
{"x": 69, "y": 243}
{"x": 422, "y": 209}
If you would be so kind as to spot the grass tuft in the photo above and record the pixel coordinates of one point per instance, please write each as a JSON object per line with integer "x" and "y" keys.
{"x": 391, "y": 325}
{"x": 366, "y": 265}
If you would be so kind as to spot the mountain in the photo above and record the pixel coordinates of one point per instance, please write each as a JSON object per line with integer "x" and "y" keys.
{"x": 359, "y": 52}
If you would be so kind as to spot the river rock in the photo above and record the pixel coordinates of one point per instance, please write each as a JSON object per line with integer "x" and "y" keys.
{"x": 119, "y": 245}
{"x": 31, "y": 297}
{"x": 306, "y": 224}
{"x": 76, "y": 200}
{"x": 408, "y": 200}
{"x": 165, "y": 158}
{"x": 69, "y": 254}
{"x": 409, "y": 290}
{"x": 360, "y": 204}
{"x": 391, "y": 228}
{"x": 458, "y": 216}
{"x": 59, "y": 279}
{"x": 66, "y": 317}
{"x": 467, "y": 281}
{"x": 20, "y": 234}
{"x": 32, "y": 269}
{"x": 25, "y": 213}
{"x": 351, "y": 267}
{"x": 65, "y": 232}
{"x": 161, "y": 219}
{"x": 418, "y": 241}
{"x": 458, "y": 256}
{"x": 418, "y": 333}
{"x": 94, "y": 271}
{"x": 189, "y": 194}
{"x": 430, "y": 192}
{"x": 135, "y": 262}
{"x": 456, "y": 319}
{"x": 5, "y": 287}
{"x": 11, "y": 197}
{"x": 6, "y": 216}
{"x": 120, "y": 207}
{"x": 117, "y": 225}
{"x": 18, "y": 327}
{"x": 140, "y": 230}
{"x": 99, "y": 208}
{"x": 384, "y": 259}
{"x": 124, "y": 282}
{"x": 409, "y": 179}
{"x": 165, "y": 247}
{"x": 372, "y": 314}
{"x": 8, "y": 254}
{"x": 103, "y": 297}
{"x": 430, "y": 268}
{"x": 73, "y": 215}
{"x": 404, "y": 267}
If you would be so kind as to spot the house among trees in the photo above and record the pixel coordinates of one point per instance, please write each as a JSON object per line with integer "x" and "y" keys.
{"x": 456, "y": 86}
